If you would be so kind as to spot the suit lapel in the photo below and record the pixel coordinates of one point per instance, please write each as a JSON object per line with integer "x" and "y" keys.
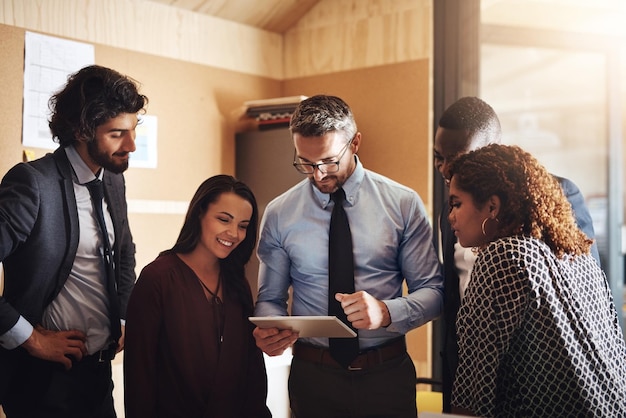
{"x": 70, "y": 216}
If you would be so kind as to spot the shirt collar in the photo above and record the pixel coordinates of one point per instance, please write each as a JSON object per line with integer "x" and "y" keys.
{"x": 82, "y": 171}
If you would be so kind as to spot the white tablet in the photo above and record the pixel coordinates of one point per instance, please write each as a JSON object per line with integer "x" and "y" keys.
{"x": 307, "y": 326}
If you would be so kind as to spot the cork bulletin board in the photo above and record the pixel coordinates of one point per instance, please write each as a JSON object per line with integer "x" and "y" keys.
{"x": 12, "y": 76}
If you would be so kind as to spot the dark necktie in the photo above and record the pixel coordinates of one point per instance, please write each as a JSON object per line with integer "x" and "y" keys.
{"x": 340, "y": 278}
{"x": 96, "y": 192}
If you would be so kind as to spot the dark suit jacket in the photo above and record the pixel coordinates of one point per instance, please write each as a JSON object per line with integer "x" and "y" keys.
{"x": 452, "y": 297}
{"x": 38, "y": 241}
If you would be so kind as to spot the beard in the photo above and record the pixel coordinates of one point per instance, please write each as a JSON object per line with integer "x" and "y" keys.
{"x": 104, "y": 160}
{"x": 327, "y": 187}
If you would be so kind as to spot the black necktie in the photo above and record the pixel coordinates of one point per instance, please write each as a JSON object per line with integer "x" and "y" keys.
{"x": 340, "y": 277}
{"x": 96, "y": 192}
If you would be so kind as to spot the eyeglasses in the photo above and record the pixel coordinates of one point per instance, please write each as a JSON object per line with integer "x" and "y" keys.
{"x": 324, "y": 167}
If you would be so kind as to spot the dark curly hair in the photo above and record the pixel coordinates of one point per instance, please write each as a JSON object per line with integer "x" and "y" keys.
{"x": 532, "y": 201}
{"x": 91, "y": 97}
{"x": 232, "y": 268}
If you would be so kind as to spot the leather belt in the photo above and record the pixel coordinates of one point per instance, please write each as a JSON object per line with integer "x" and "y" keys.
{"x": 368, "y": 358}
{"x": 105, "y": 355}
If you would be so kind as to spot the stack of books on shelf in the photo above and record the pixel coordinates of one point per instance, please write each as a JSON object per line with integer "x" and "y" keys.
{"x": 272, "y": 113}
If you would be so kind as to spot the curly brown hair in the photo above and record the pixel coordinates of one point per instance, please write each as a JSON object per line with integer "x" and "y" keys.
{"x": 92, "y": 96}
{"x": 532, "y": 201}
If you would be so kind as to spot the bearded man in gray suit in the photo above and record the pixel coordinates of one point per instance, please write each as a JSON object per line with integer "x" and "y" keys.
{"x": 68, "y": 276}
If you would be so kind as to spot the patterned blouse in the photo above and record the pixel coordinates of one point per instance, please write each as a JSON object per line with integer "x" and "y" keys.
{"x": 539, "y": 336}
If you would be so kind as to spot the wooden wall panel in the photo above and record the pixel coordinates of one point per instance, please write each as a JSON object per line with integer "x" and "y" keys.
{"x": 336, "y": 35}
{"x": 341, "y": 35}
{"x": 153, "y": 28}
{"x": 11, "y": 71}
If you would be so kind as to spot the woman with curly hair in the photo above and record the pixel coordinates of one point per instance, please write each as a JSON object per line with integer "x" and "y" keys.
{"x": 538, "y": 331}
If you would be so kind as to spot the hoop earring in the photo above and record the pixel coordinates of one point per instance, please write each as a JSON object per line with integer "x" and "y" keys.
{"x": 482, "y": 226}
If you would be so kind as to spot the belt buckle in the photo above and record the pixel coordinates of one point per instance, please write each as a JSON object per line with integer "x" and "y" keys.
{"x": 360, "y": 362}
{"x": 107, "y": 354}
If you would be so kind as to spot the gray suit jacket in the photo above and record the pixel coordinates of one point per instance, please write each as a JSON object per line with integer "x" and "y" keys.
{"x": 39, "y": 236}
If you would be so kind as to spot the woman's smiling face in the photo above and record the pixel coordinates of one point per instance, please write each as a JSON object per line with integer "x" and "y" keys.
{"x": 225, "y": 224}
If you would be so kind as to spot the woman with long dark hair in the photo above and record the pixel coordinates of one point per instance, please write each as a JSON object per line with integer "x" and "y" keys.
{"x": 189, "y": 345}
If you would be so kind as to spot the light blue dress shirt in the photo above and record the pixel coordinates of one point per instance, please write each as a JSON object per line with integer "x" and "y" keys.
{"x": 392, "y": 241}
